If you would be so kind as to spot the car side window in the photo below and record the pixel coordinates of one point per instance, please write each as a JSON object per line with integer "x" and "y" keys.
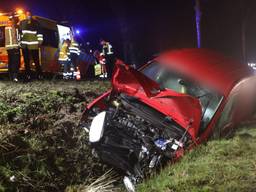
{"x": 151, "y": 71}
{"x": 210, "y": 104}
{"x": 225, "y": 117}
{"x": 227, "y": 113}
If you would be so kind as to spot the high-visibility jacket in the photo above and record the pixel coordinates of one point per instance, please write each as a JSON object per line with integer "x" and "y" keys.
{"x": 107, "y": 49}
{"x": 30, "y": 37}
{"x": 64, "y": 52}
{"x": 11, "y": 38}
{"x": 74, "y": 48}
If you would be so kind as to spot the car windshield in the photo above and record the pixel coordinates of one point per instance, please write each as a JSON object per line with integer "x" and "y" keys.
{"x": 168, "y": 79}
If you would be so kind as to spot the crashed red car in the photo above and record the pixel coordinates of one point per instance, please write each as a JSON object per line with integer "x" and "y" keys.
{"x": 173, "y": 103}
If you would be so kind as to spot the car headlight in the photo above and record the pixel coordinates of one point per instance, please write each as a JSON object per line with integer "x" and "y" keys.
{"x": 97, "y": 127}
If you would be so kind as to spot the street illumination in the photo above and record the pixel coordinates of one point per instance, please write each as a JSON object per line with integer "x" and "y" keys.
{"x": 19, "y": 11}
{"x": 77, "y": 32}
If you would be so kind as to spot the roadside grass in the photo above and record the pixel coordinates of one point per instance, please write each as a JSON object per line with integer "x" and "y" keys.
{"x": 219, "y": 165}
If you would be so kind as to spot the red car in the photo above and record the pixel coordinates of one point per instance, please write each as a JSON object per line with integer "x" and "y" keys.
{"x": 173, "y": 103}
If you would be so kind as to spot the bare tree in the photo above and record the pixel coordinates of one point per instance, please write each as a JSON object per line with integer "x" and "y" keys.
{"x": 128, "y": 46}
{"x": 244, "y": 20}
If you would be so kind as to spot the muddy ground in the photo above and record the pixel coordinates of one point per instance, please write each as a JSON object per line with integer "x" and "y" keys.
{"x": 41, "y": 146}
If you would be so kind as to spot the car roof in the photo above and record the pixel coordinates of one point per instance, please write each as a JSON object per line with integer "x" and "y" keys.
{"x": 206, "y": 66}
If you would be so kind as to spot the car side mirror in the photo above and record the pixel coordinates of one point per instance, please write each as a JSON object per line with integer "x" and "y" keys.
{"x": 181, "y": 82}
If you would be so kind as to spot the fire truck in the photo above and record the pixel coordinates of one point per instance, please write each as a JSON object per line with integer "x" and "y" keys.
{"x": 53, "y": 33}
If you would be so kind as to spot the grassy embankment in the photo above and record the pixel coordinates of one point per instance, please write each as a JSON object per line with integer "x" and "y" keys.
{"x": 220, "y": 165}
{"x": 41, "y": 147}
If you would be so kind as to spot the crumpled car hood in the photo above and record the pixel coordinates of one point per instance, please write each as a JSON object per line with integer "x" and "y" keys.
{"x": 183, "y": 109}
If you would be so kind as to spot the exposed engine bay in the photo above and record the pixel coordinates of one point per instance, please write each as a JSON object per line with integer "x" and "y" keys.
{"x": 133, "y": 137}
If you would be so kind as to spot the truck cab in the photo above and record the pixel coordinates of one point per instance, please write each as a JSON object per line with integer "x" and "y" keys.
{"x": 53, "y": 34}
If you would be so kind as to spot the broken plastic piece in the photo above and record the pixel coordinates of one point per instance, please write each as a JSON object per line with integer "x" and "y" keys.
{"x": 128, "y": 184}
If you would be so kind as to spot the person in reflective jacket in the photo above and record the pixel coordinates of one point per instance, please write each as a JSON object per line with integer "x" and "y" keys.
{"x": 12, "y": 47}
{"x": 64, "y": 58}
{"x": 31, "y": 40}
{"x": 74, "y": 52}
{"x": 107, "y": 52}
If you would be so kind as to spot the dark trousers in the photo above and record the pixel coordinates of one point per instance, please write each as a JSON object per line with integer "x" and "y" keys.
{"x": 27, "y": 54}
{"x": 67, "y": 65}
{"x": 74, "y": 59}
{"x": 66, "y": 69}
{"x": 13, "y": 62}
{"x": 110, "y": 63}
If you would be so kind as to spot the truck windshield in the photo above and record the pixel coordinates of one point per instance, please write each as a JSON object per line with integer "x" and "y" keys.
{"x": 209, "y": 99}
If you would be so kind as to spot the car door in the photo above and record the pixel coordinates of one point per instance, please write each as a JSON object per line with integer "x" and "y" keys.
{"x": 240, "y": 106}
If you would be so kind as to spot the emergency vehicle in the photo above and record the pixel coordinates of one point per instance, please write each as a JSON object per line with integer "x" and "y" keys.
{"x": 53, "y": 33}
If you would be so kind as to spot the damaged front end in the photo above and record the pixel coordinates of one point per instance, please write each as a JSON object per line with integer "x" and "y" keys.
{"x": 135, "y": 138}
{"x": 128, "y": 132}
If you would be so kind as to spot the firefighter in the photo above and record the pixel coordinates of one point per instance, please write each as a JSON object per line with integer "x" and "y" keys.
{"x": 64, "y": 58}
{"x": 12, "y": 47}
{"x": 74, "y": 52}
{"x": 31, "y": 40}
{"x": 100, "y": 59}
{"x": 107, "y": 52}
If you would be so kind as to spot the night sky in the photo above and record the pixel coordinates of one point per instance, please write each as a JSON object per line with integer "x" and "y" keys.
{"x": 139, "y": 29}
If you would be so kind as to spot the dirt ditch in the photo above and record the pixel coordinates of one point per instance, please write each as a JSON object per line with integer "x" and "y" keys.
{"x": 41, "y": 147}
